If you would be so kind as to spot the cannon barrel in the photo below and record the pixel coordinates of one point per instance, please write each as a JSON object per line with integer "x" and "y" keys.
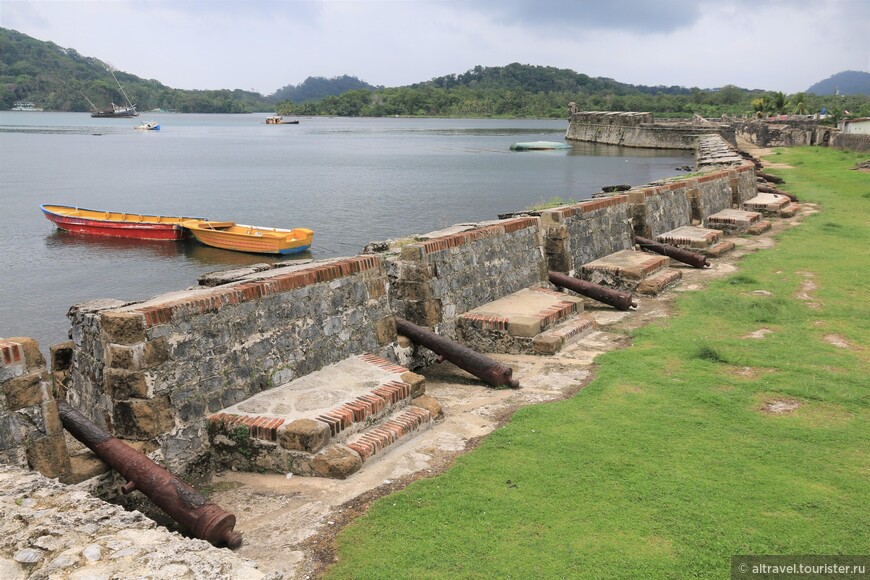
{"x": 489, "y": 371}
{"x": 693, "y": 259}
{"x": 616, "y": 298}
{"x": 188, "y": 507}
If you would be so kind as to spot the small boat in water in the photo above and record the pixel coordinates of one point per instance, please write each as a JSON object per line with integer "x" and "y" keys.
{"x": 539, "y": 146}
{"x": 117, "y": 224}
{"x": 149, "y": 126}
{"x": 252, "y": 239}
{"x": 279, "y": 120}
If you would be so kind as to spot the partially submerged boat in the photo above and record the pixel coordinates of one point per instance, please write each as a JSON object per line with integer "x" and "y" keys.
{"x": 252, "y": 239}
{"x": 149, "y": 126}
{"x": 117, "y": 224}
{"x": 539, "y": 146}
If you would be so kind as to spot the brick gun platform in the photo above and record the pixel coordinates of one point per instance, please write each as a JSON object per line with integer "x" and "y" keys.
{"x": 701, "y": 240}
{"x": 529, "y": 321}
{"x": 737, "y": 221}
{"x": 631, "y": 271}
{"x": 326, "y": 423}
{"x": 770, "y": 205}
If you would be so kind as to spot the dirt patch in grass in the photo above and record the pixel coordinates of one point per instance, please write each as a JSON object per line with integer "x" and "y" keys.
{"x": 808, "y": 285}
{"x": 780, "y": 406}
{"x": 758, "y": 334}
{"x": 751, "y": 373}
{"x": 838, "y": 341}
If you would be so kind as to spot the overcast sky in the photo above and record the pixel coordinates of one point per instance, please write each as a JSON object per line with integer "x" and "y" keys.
{"x": 263, "y": 45}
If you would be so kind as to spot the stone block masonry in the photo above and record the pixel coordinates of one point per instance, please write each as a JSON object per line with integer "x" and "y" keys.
{"x": 156, "y": 369}
{"x": 580, "y": 233}
{"x": 31, "y": 435}
{"x": 441, "y": 275}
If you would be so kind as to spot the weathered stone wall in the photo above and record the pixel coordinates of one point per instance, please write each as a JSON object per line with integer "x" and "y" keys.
{"x": 49, "y": 530}
{"x": 586, "y": 231}
{"x": 852, "y": 142}
{"x": 155, "y": 369}
{"x": 638, "y": 130}
{"x": 31, "y": 435}
{"x": 434, "y": 280}
{"x": 793, "y": 133}
{"x": 656, "y": 210}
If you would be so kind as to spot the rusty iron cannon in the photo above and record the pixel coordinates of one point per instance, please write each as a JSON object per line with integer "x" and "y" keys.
{"x": 693, "y": 259}
{"x": 489, "y": 371}
{"x": 616, "y": 298}
{"x": 185, "y": 505}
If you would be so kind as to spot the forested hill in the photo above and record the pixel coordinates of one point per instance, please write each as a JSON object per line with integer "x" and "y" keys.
{"x": 849, "y": 82}
{"x": 315, "y": 88}
{"x": 60, "y": 79}
{"x": 542, "y": 79}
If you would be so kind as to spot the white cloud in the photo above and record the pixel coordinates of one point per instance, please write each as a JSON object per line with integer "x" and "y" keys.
{"x": 778, "y": 44}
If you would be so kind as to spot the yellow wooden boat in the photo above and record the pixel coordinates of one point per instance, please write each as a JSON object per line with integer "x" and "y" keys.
{"x": 253, "y": 239}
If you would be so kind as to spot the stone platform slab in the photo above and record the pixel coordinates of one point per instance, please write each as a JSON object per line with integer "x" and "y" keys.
{"x": 520, "y": 322}
{"x": 767, "y": 204}
{"x": 627, "y": 270}
{"x": 702, "y": 240}
{"x": 732, "y": 221}
{"x": 303, "y": 426}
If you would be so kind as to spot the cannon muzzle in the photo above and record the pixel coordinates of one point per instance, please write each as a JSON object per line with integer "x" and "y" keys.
{"x": 185, "y": 505}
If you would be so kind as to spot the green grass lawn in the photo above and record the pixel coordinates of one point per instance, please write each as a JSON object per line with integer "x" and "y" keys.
{"x": 666, "y": 465}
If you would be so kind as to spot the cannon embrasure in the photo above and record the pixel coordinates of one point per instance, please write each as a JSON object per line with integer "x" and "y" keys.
{"x": 489, "y": 371}
{"x": 616, "y": 298}
{"x": 693, "y": 259}
{"x": 185, "y": 505}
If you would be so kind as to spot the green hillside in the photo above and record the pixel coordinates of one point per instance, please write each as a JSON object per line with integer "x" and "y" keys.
{"x": 61, "y": 79}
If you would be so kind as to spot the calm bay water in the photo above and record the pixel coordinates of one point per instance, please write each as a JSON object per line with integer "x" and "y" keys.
{"x": 352, "y": 181}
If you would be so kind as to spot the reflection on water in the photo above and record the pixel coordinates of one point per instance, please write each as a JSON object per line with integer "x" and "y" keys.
{"x": 218, "y": 257}
{"x": 113, "y": 246}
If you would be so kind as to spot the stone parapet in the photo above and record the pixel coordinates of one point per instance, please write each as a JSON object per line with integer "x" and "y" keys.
{"x": 583, "y": 232}
{"x": 31, "y": 435}
{"x": 156, "y": 369}
{"x": 439, "y": 276}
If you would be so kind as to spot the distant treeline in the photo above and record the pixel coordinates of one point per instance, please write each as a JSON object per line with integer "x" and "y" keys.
{"x": 60, "y": 79}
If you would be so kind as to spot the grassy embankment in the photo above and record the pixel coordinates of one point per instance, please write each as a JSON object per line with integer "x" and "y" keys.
{"x": 667, "y": 464}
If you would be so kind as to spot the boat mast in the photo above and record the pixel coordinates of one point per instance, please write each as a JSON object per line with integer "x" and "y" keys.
{"x": 93, "y": 106}
{"x": 121, "y": 88}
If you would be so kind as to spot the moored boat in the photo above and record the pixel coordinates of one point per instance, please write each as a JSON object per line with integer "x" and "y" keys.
{"x": 279, "y": 120}
{"x": 539, "y": 146}
{"x": 252, "y": 239}
{"x": 117, "y": 224}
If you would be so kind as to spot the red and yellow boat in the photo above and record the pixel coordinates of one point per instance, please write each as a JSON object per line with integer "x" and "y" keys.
{"x": 253, "y": 239}
{"x": 117, "y": 224}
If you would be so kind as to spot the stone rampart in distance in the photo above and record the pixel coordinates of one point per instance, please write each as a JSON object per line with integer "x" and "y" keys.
{"x": 156, "y": 369}
{"x": 638, "y": 130}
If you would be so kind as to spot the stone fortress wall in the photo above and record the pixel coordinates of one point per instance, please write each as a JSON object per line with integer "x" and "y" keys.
{"x": 154, "y": 371}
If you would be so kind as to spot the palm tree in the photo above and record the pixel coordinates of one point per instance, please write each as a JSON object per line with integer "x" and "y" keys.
{"x": 799, "y": 105}
{"x": 778, "y": 102}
